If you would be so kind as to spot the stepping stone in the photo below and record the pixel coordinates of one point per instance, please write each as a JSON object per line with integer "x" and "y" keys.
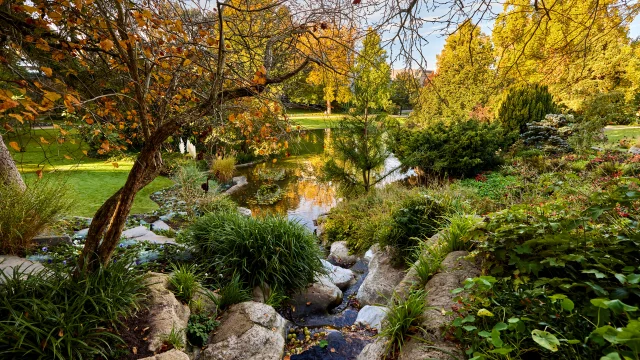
{"x": 135, "y": 232}
{"x": 9, "y": 262}
{"x": 81, "y": 234}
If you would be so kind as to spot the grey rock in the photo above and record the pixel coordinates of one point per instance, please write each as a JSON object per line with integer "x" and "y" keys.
{"x": 261, "y": 293}
{"x": 52, "y": 240}
{"x": 339, "y": 254}
{"x": 205, "y": 297}
{"x": 318, "y": 297}
{"x": 249, "y": 330}
{"x": 160, "y": 225}
{"x": 81, "y": 234}
{"x": 372, "y": 316}
{"x": 244, "y": 211}
{"x": 381, "y": 280}
{"x": 374, "y": 351}
{"x": 239, "y": 182}
{"x": 369, "y": 254}
{"x": 135, "y": 232}
{"x": 165, "y": 311}
{"x": 342, "y": 278}
{"x": 172, "y": 354}
{"x": 413, "y": 350}
{"x": 634, "y": 150}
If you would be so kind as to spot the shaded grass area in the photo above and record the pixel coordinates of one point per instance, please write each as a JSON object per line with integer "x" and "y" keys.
{"x": 616, "y": 134}
{"x": 89, "y": 181}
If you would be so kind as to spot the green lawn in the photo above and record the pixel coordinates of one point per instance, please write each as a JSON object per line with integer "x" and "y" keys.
{"x": 325, "y": 121}
{"x": 616, "y": 134}
{"x": 89, "y": 182}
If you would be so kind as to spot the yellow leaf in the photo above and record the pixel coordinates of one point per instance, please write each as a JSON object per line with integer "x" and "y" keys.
{"x": 43, "y": 140}
{"x": 187, "y": 62}
{"x": 17, "y": 117}
{"x": 15, "y": 146}
{"x": 106, "y": 44}
{"x": 115, "y": 165}
{"x": 46, "y": 70}
{"x": 85, "y": 152}
{"x": 51, "y": 96}
{"x": 68, "y": 157}
{"x": 485, "y": 312}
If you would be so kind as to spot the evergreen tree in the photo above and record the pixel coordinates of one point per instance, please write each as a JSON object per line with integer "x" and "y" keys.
{"x": 464, "y": 79}
{"x": 525, "y": 104}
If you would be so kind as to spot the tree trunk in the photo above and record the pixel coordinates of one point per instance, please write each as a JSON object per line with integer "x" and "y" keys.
{"x": 108, "y": 222}
{"x": 328, "y": 107}
{"x": 9, "y": 174}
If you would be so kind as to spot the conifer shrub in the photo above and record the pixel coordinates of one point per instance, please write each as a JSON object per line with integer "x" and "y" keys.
{"x": 460, "y": 148}
{"x": 525, "y": 104}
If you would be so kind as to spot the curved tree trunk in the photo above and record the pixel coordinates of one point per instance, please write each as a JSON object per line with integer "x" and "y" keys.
{"x": 9, "y": 174}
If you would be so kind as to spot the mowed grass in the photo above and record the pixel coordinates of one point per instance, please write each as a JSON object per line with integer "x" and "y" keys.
{"x": 325, "y": 121}
{"x": 89, "y": 182}
{"x": 616, "y": 134}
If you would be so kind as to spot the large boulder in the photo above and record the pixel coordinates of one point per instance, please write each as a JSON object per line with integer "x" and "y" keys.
{"x": 169, "y": 355}
{"x": 247, "y": 331}
{"x": 372, "y": 316}
{"x": 341, "y": 277}
{"x": 339, "y": 254}
{"x": 454, "y": 270}
{"x": 165, "y": 311}
{"x": 413, "y": 350}
{"x": 318, "y": 297}
{"x": 381, "y": 280}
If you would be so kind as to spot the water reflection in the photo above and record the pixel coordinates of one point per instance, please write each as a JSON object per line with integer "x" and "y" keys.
{"x": 305, "y": 197}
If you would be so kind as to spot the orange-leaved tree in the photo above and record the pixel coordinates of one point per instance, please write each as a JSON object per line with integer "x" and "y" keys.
{"x": 142, "y": 70}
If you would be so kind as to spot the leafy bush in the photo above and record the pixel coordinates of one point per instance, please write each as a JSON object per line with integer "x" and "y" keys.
{"x": 461, "y": 148}
{"x": 576, "y": 287}
{"x": 184, "y": 281}
{"x": 363, "y": 221}
{"x": 222, "y": 169}
{"x": 199, "y": 328}
{"x": 403, "y": 320}
{"x": 24, "y": 214}
{"x": 270, "y": 250}
{"x": 415, "y": 218}
{"x": 50, "y": 314}
{"x": 525, "y": 104}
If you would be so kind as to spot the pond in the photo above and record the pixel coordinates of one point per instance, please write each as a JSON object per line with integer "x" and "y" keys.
{"x": 304, "y": 195}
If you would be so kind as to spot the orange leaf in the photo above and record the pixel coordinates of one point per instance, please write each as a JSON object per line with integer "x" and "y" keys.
{"x": 68, "y": 157}
{"x": 60, "y": 333}
{"x": 106, "y": 44}
{"x": 43, "y": 140}
{"x": 85, "y": 152}
{"x": 89, "y": 120}
{"x": 8, "y": 127}
{"x": 15, "y": 146}
{"x": 115, "y": 165}
{"x": 39, "y": 173}
{"x": 17, "y": 117}
{"x": 47, "y": 71}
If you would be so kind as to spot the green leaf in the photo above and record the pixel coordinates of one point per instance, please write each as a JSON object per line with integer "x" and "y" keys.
{"x": 633, "y": 278}
{"x": 545, "y": 339}
{"x": 621, "y": 278}
{"x": 616, "y": 306}
{"x": 500, "y": 326}
{"x": 598, "y": 274}
{"x": 513, "y": 320}
{"x": 323, "y": 343}
{"x": 567, "y": 304}
{"x": 495, "y": 338}
{"x": 484, "y": 334}
{"x": 469, "y": 327}
{"x": 611, "y": 356}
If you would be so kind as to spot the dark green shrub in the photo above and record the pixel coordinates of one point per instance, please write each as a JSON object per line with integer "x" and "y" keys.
{"x": 52, "y": 315}
{"x": 462, "y": 148}
{"x": 415, "y": 218}
{"x": 199, "y": 328}
{"x": 270, "y": 250}
{"x": 24, "y": 214}
{"x": 522, "y": 105}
